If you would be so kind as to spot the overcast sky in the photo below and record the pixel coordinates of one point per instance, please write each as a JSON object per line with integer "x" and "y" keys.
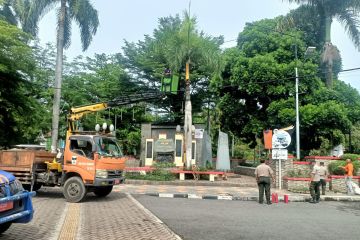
{"x": 132, "y": 19}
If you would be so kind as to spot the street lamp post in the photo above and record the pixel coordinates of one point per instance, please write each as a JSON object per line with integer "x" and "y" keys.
{"x": 297, "y": 114}
{"x": 297, "y": 129}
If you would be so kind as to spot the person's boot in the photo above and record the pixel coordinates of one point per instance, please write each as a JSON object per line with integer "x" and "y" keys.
{"x": 312, "y": 201}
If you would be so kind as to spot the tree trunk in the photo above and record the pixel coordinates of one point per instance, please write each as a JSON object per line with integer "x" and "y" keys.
{"x": 58, "y": 77}
{"x": 329, "y": 75}
{"x": 328, "y": 21}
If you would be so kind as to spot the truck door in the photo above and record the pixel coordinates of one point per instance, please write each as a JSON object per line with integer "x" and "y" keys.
{"x": 80, "y": 157}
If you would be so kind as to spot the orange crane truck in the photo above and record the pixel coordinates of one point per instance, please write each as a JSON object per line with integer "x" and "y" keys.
{"x": 91, "y": 161}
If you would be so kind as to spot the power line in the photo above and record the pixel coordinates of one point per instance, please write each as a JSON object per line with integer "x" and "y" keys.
{"x": 350, "y": 69}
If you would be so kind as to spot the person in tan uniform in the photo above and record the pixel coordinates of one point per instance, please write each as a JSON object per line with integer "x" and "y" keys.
{"x": 264, "y": 174}
{"x": 315, "y": 183}
{"x": 323, "y": 172}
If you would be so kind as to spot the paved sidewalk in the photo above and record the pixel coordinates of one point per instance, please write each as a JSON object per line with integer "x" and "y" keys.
{"x": 241, "y": 188}
{"x": 118, "y": 216}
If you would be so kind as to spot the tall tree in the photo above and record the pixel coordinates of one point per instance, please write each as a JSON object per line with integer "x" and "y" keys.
{"x": 347, "y": 12}
{"x": 22, "y": 13}
{"x": 175, "y": 44}
{"x": 84, "y": 14}
{"x": 17, "y": 66}
{"x": 168, "y": 47}
{"x": 257, "y": 89}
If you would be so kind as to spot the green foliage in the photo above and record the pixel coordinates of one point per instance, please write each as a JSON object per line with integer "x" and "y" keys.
{"x": 353, "y": 157}
{"x": 208, "y": 165}
{"x": 243, "y": 151}
{"x": 17, "y": 88}
{"x": 170, "y": 47}
{"x": 355, "y": 138}
{"x": 335, "y": 167}
{"x": 154, "y": 176}
{"x": 345, "y": 10}
{"x": 249, "y": 163}
{"x": 159, "y": 165}
{"x": 257, "y": 90}
{"x": 102, "y": 78}
{"x": 133, "y": 142}
{"x": 318, "y": 152}
{"x": 299, "y": 173}
{"x": 160, "y": 173}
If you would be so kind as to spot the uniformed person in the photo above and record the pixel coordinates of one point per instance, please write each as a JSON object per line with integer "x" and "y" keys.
{"x": 264, "y": 174}
{"x": 323, "y": 176}
{"x": 315, "y": 184}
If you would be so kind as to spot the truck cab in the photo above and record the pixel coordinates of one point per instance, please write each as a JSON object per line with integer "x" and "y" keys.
{"x": 92, "y": 163}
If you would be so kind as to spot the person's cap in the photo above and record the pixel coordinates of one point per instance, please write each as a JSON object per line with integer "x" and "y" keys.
{"x": 321, "y": 163}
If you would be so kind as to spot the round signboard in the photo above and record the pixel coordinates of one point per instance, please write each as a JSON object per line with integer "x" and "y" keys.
{"x": 280, "y": 139}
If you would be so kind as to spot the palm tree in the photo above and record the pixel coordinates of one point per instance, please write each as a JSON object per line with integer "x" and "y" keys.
{"x": 347, "y": 12}
{"x": 184, "y": 45}
{"x": 27, "y": 14}
{"x": 84, "y": 14}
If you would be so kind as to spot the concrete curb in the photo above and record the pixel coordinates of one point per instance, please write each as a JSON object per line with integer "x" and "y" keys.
{"x": 252, "y": 198}
{"x": 187, "y": 183}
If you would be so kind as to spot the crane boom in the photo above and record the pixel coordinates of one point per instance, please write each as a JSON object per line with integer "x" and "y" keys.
{"x": 76, "y": 113}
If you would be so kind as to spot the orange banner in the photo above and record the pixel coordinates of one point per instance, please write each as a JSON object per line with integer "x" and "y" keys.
{"x": 268, "y": 139}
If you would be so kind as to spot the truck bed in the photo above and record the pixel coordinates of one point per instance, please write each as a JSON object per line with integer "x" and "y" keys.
{"x": 24, "y": 163}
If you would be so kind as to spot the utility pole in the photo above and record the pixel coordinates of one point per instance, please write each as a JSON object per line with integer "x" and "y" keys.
{"x": 297, "y": 115}
{"x": 188, "y": 107}
{"x": 297, "y": 107}
{"x": 188, "y": 118}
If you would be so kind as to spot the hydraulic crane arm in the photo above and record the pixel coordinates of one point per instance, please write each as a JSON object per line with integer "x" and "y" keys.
{"x": 76, "y": 113}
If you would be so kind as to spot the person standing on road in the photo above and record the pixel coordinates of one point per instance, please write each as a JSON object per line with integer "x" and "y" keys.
{"x": 263, "y": 173}
{"x": 349, "y": 169}
{"x": 323, "y": 176}
{"x": 315, "y": 184}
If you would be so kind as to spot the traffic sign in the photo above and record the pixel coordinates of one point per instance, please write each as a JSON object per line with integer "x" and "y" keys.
{"x": 280, "y": 139}
{"x": 280, "y": 153}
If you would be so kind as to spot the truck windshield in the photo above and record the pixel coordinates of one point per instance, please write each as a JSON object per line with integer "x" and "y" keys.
{"x": 108, "y": 147}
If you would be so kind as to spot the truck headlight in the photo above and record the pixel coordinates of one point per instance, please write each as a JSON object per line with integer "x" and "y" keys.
{"x": 101, "y": 173}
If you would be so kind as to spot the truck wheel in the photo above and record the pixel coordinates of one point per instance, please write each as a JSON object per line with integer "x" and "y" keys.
{"x": 4, "y": 227}
{"x": 74, "y": 190}
{"x": 103, "y": 191}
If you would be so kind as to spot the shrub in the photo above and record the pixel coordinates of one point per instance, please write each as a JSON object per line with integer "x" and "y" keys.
{"x": 335, "y": 167}
{"x": 250, "y": 163}
{"x": 164, "y": 165}
{"x": 156, "y": 175}
{"x": 298, "y": 173}
{"x": 315, "y": 152}
{"x": 353, "y": 157}
{"x": 160, "y": 173}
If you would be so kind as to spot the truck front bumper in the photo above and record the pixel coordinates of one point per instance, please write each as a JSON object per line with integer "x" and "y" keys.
{"x": 108, "y": 181}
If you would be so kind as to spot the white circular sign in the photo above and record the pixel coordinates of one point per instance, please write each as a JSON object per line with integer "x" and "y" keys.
{"x": 280, "y": 139}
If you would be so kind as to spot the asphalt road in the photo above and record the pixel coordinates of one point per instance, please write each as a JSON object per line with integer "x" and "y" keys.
{"x": 216, "y": 219}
